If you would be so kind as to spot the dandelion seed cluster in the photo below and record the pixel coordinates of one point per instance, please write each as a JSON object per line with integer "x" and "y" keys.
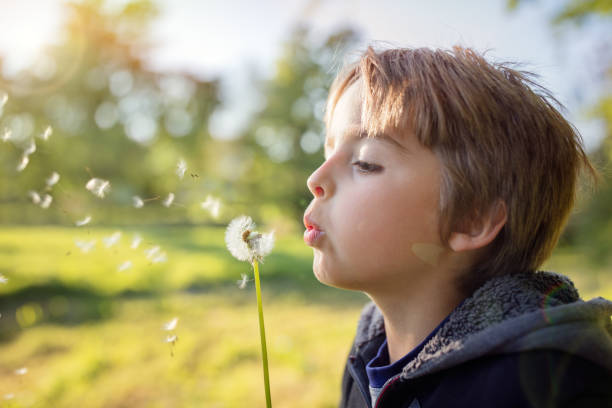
{"x": 244, "y": 243}
{"x": 101, "y": 188}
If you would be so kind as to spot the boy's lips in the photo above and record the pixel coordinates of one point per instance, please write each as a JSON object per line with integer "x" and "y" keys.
{"x": 313, "y": 231}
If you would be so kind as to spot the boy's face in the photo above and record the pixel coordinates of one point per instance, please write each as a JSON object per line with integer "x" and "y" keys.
{"x": 379, "y": 217}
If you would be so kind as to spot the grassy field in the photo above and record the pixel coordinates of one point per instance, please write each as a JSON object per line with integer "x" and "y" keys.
{"x": 90, "y": 333}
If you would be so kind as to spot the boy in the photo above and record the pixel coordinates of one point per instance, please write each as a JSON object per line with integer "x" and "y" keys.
{"x": 446, "y": 183}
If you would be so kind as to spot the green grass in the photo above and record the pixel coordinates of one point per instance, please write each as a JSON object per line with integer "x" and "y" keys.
{"x": 197, "y": 258}
{"x": 124, "y": 361}
{"x": 92, "y": 336}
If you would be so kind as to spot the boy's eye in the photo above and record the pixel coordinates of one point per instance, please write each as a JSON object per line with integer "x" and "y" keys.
{"x": 365, "y": 167}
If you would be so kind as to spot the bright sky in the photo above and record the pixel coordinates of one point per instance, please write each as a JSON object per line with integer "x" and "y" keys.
{"x": 219, "y": 37}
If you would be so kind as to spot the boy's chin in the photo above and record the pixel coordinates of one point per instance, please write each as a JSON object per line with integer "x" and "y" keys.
{"x": 328, "y": 279}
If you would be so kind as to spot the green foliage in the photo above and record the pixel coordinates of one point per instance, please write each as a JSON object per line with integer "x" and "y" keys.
{"x": 111, "y": 117}
{"x": 287, "y": 135}
{"x": 579, "y": 10}
{"x": 590, "y": 229}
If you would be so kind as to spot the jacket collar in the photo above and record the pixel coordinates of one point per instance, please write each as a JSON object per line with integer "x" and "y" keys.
{"x": 499, "y": 317}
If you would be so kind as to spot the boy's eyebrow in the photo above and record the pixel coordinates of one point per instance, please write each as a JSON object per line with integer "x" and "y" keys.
{"x": 388, "y": 139}
{"x": 383, "y": 137}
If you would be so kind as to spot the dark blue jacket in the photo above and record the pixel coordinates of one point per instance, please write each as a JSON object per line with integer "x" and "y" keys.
{"x": 525, "y": 340}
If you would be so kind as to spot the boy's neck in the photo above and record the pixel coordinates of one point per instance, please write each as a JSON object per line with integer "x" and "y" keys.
{"x": 411, "y": 317}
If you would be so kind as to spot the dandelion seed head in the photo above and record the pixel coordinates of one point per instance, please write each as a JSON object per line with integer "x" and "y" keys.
{"x": 112, "y": 239}
{"x": 34, "y": 196}
{"x": 264, "y": 244}
{"x": 53, "y": 179}
{"x": 84, "y": 221}
{"x": 98, "y": 187}
{"x": 181, "y": 168}
{"x": 124, "y": 266}
{"x": 171, "y": 325}
{"x": 46, "y": 133}
{"x": 23, "y": 163}
{"x": 138, "y": 203}
{"x": 3, "y": 279}
{"x": 169, "y": 200}
{"x": 246, "y": 244}
{"x": 85, "y": 246}
{"x": 136, "y": 240}
{"x": 46, "y": 201}
{"x": 21, "y": 371}
{"x": 234, "y": 237}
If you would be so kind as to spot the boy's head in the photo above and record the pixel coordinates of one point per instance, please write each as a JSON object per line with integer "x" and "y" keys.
{"x": 508, "y": 162}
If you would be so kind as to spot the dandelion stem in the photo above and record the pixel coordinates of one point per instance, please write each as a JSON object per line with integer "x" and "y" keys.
{"x": 262, "y": 335}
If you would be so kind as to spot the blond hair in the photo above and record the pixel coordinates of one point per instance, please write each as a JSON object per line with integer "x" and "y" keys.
{"x": 498, "y": 135}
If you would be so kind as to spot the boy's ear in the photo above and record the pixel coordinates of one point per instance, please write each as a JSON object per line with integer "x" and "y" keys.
{"x": 481, "y": 230}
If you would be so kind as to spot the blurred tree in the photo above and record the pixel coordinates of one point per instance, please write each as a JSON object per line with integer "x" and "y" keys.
{"x": 286, "y": 136}
{"x": 591, "y": 228}
{"x": 112, "y": 118}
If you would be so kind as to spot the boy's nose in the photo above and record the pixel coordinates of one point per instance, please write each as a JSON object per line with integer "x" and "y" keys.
{"x": 314, "y": 186}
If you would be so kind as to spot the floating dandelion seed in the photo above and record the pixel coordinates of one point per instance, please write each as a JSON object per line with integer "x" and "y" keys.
{"x": 124, "y": 266}
{"x": 21, "y": 371}
{"x": 85, "y": 246}
{"x": 169, "y": 200}
{"x": 151, "y": 252}
{"x": 171, "y": 325}
{"x": 46, "y": 201}
{"x": 30, "y": 149}
{"x": 172, "y": 339}
{"x": 34, "y": 196}
{"x": 136, "y": 241}
{"x": 47, "y": 132}
{"x": 212, "y": 205}
{"x": 84, "y": 221}
{"x": 53, "y": 179}
{"x": 112, "y": 239}
{"x": 181, "y": 168}
{"x": 98, "y": 186}
{"x": 243, "y": 281}
{"x": 23, "y": 163}
{"x": 138, "y": 203}
{"x": 160, "y": 258}
{"x": 3, "y": 279}
{"x": 6, "y": 134}
{"x": 9, "y": 396}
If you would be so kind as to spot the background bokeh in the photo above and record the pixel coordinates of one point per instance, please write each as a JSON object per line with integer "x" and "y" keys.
{"x": 124, "y": 91}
